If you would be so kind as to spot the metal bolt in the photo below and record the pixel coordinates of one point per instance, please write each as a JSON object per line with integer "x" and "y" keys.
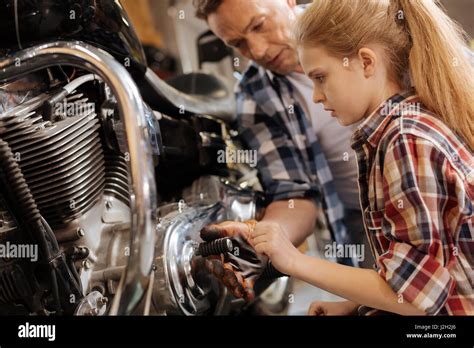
{"x": 108, "y": 205}
{"x": 102, "y": 301}
{"x": 86, "y": 264}
{"x": 181, "y": 205}
{"x": 81, "y": 232}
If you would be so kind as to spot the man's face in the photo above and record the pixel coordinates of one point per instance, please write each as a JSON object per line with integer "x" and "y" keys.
{"x": 259, "y": 30}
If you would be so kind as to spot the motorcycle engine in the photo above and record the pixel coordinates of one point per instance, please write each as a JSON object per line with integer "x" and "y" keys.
{"x": 72, "y": 158}
{"x": 69, "y": 187}
{"x": 80, "y": 187}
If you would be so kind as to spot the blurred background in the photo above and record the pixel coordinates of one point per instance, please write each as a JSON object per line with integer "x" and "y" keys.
{"x": 172, "y": 34}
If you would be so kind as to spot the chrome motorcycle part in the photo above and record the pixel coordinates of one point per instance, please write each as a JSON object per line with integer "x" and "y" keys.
{"x": 93, "y": 304}
{"x": 62, "y": 162}
{"x": 239, "y": 204}
{"x": 182, "y": 286}
{"x": 220, "y": 105}
{"x": 130, "y": 105}
{"x": 33, "y": 227}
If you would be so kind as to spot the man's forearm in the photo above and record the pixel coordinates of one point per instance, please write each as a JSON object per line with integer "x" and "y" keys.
{"x": 297, "y": 217}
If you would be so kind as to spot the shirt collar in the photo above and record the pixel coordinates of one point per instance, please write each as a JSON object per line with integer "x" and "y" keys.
{"x": 373, "y": 126}
{"x": 271, "y": 75}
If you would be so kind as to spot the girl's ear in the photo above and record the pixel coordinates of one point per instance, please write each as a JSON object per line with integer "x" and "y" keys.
{"x": 369, "y": 61}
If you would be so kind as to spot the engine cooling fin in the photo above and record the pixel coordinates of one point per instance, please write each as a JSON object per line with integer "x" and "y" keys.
{"x": 62, "y": 161}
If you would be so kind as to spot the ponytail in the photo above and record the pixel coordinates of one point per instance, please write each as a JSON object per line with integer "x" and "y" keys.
{"x": 439, "y": 68}
{"x": 420, "y": 41}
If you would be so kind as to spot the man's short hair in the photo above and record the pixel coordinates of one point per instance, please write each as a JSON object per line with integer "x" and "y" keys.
{"x": 205, "y": 7}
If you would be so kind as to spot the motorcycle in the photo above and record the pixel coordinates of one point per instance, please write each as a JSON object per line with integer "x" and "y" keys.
{"x": 108, "y": 173}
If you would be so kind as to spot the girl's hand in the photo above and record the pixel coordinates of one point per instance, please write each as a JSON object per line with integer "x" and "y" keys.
{"x": 268, "y": 238}
{"x": 320, "y": 308}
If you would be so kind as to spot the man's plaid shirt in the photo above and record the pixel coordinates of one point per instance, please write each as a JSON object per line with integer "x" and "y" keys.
{"x": 416, "y": 182}
{"x": 290, "y": 162}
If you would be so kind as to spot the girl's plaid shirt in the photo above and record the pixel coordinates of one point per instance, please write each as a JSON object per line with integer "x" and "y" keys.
{"x": 416, "y": 183}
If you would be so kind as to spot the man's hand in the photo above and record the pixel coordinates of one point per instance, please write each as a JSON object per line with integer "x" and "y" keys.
{"x": 239, "y": 269}
{"x": 320, "y": 308}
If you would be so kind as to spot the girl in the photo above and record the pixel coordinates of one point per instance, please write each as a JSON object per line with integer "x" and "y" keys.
{"x": 398, "y": 68}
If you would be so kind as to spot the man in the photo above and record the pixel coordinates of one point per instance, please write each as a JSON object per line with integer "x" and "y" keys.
{"x": 305, "y": 161}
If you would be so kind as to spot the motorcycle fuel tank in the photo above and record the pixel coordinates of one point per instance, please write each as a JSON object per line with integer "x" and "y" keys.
{"x": 102, "y": 23}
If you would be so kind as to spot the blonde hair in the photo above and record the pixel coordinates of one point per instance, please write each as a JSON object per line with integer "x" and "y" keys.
{"x": 421, "y": 42}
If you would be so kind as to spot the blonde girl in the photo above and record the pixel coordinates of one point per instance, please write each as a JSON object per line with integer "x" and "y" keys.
{"x": 399, "y": 69}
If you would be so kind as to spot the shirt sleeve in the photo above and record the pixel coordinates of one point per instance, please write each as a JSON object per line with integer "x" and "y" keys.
{"x": 279, "y": 164}
{"x": 423, "y": 205}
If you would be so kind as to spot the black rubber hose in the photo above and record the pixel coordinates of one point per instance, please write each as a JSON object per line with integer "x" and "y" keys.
{"x": 215, "y": 247}
{"x": 51, "y": 236}
{"x": 27, "y": 208}
{"x": 26, "y": 204}
{"x": 72, "y": 266}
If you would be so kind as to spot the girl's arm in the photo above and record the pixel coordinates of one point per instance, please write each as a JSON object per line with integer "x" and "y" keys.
{"x": 423, "y": 196}
{"x": 362, "y": 286}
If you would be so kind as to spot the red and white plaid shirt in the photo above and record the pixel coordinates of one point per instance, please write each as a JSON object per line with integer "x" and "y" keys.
{"x": 416, "y": 182}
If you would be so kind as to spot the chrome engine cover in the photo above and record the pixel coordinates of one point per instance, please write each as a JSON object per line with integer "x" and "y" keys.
{"x": 176, "y": 288}
{"x": 239, "y": 204}
{"x": 180, "y": 286}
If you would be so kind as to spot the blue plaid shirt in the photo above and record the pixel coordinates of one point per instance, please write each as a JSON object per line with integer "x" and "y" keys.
{"x": 290, "y": 162}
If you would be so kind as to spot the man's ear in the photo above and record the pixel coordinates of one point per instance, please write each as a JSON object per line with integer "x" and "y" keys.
{"x": 368, "y": 59}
